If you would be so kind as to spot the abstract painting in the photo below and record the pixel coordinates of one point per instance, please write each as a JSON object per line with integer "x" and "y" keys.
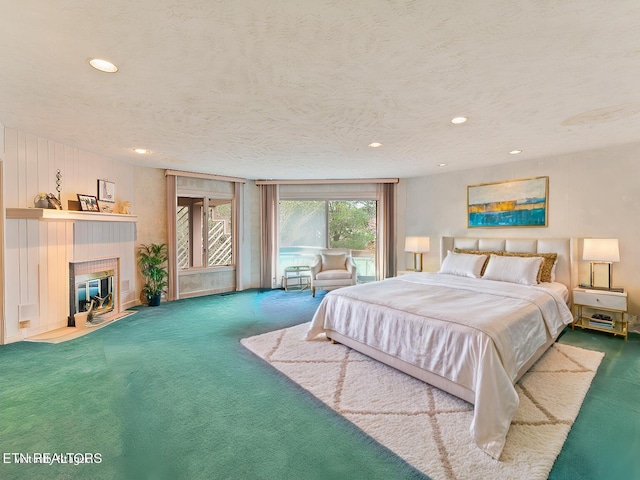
{"x": 516, "y": 203}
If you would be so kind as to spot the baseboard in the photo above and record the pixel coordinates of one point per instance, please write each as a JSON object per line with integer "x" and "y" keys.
{"x": 130, "y": 304}
{"x": 202, "y": 293}
{"x": 13, "y": 339}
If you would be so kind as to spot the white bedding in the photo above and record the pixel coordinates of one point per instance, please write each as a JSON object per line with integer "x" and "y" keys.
{"x": 474, "y": 332}
{"x": 559, "y": 288}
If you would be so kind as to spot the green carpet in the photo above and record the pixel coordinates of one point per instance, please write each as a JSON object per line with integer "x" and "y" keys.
{"x": 169, "y": 393}
{"x": 604, "y": 442}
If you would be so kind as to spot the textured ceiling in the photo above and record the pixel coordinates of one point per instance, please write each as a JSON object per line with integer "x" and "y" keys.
{"x": 298, "y": 89}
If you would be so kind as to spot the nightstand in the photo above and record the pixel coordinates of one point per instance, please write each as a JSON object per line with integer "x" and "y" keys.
{"x": 600, "y": 310}
{"x": 404, "y": 272}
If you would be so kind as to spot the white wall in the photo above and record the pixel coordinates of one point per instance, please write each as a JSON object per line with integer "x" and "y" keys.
{"x": 31, "y": 164}
{"x": 591, "y": 194}
{"x": 151, "y": 210}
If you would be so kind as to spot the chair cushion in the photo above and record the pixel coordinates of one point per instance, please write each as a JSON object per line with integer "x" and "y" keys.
{"x": 333, "y": 262}
{"x": 333, "y": 274}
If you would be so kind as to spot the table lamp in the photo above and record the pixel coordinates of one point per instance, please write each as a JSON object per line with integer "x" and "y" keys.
{"x": 417, "y": 245}
{"x": 601, "y": 251}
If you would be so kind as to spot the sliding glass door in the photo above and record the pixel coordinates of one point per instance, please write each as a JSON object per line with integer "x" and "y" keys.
{"x": 306, "y": 226}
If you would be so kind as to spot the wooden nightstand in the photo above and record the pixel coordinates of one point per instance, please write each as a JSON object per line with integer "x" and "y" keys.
{"x": 600, "y": 310}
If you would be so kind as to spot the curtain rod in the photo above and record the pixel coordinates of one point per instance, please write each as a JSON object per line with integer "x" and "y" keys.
{"x": 326, "y": 181}
{"x": 208, "y": 176}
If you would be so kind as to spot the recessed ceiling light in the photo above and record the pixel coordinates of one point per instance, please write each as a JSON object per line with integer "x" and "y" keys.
{"x": 443, "y": 164}
{"x": 458, "y": 120}
{"x": 375, "y": 144}
{"x": 141, "y": 151}
{"x": 515, "y": 152}
{"x": 103, "y": 65}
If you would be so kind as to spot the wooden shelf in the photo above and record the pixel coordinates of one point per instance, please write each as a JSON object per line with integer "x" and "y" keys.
{"x": 51, "y": 215}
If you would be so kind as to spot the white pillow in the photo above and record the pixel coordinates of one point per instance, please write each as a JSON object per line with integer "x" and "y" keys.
{"x": 334, "y": 261}
{"x": 463, "y": 264}
{"x": 522, "y": 270}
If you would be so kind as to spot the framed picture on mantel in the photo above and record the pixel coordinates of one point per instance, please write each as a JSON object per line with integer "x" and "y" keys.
{"x": 88, "y": 203}
{"x": 106, "y": 191}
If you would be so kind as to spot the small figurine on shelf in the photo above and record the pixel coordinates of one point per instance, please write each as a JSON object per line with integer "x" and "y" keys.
{"x": 54, "y": 202}
{"x": 125, "y": 208}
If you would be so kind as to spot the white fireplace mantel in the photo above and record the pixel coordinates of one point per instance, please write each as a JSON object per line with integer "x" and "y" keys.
{"x": 51, "y": 215}
{"x": 40, "y": 246}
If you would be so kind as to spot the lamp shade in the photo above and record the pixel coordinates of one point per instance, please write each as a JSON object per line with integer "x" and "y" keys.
{"x": 417, "y": 244}
{"x": 601, "y": 250}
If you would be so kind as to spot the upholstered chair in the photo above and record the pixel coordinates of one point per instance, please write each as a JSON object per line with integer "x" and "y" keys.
{"x": 333, "y": 268}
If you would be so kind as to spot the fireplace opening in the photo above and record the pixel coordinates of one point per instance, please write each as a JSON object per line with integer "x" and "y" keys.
{"x": 94, "y": 292}
{"x": 93, "y": 289}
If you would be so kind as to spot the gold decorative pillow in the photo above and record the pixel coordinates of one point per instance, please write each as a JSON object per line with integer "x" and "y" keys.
{"x": 546, "y": 267}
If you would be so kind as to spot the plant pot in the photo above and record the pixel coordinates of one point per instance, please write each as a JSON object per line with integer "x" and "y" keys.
{"x": 154, "y": 300}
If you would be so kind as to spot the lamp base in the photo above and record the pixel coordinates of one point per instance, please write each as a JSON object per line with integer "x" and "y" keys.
{"x": 600, "y": 275}
{"x": 417, "y": 261}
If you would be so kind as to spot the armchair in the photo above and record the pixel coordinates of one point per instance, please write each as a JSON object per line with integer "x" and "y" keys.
{"x": 333, "y": 268}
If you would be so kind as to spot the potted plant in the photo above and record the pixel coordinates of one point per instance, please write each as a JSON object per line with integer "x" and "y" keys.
{"x": 152, "y": 261}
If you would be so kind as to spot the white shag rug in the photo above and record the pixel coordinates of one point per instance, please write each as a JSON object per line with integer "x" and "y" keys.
{"x": 427, "y": 427}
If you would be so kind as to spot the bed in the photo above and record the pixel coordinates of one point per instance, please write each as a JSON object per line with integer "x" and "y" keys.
{"x": 472, "y": 337}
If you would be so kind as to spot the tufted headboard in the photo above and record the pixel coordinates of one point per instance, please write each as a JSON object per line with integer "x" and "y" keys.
{"x": 566, "y": 248}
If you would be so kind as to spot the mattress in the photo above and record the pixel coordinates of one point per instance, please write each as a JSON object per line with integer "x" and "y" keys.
{"x": 473, "y": 332}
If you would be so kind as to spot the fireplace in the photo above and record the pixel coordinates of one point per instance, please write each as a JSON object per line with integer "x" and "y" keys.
{"x": 92, "y": 288}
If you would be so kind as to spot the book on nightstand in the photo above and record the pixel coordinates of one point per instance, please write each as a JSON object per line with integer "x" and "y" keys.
{"x": 601, "y": 323}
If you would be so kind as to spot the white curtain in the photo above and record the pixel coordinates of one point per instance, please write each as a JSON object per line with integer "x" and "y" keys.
{"x": 386, "y": 261}
{"x": 269, "y": 227}
{"x": 238, "y": 238}
{"x": 172, "y": 205}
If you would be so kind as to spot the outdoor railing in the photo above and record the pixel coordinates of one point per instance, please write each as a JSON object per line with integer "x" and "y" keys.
{"x": 294, "y": 256}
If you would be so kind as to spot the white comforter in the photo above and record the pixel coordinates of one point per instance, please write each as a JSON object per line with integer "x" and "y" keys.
{"x": 476, "y": 333}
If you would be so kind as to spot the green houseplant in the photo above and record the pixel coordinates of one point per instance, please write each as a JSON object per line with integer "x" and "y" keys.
{"x": 152, "y": 261}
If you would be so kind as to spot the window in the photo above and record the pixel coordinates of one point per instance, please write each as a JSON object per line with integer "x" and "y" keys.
{"x": 204, "y": 214}
{"x": 204, "y": 235}
{"x": 309, "y": 225}
{"x": 219, "y": 240}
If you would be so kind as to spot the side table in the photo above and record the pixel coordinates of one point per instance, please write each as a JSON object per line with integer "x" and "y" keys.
{"x": 600, "y": 310}
{"x": 296, "y": 278}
